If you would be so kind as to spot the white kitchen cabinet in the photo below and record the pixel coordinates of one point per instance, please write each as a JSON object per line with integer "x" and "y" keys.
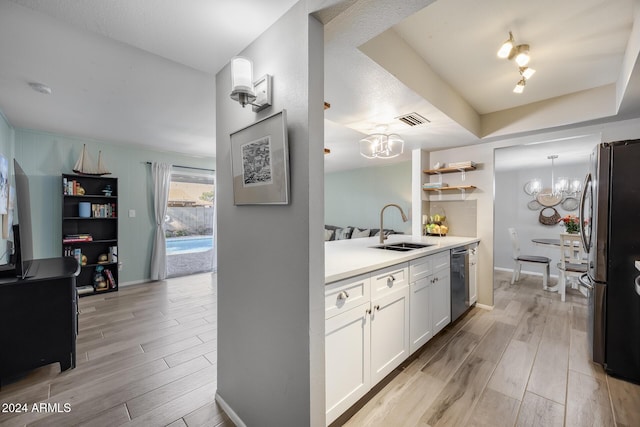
{"x": 420, "y": 330}
{"x": 440, "y": 300}
{"x": 347, "y": 359}
{"x": 389, "y": 332}
{"x": 430, "y": 303}
{"x": 389, "y": 280}
{"x": 473, "y": 275}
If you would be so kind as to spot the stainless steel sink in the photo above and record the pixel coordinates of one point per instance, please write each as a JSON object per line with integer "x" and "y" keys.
{"x": 402, "y": 246}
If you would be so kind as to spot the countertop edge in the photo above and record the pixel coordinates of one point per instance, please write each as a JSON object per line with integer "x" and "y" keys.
{"x": 362, "y": 251}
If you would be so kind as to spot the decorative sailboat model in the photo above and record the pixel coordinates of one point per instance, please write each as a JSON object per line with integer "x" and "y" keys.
{"x": 86, "y": 166}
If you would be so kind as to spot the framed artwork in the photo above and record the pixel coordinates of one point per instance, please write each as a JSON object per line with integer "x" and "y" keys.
{"x": 260, "y": 162}
{"x": 4, "y": 184}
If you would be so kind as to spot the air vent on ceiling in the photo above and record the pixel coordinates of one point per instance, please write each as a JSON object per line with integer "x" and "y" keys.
{"x": 413, "y": 119}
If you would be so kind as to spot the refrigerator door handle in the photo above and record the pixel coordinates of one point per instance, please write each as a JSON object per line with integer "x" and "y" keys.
{"x": 584, "y": 282}
{"x": 583, "y": 197}
{"x": 637, "y": 285}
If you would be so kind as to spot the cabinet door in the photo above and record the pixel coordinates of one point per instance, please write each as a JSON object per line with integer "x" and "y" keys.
{"x": 420, "y": 313}
{"x": 348, "y": 369}
{"x": 389, "y": 333}
{"x": 389, "y": 280}
{"x": 440, "y": 300}
{"x": 473, "y": 276}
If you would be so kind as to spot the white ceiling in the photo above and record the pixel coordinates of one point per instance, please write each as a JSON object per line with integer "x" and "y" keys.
{"x": 142, "y": 71}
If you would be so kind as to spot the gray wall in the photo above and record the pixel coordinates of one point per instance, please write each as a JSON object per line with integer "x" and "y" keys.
{"x": 512, "y": 211}
{"x": 271, "y": 258}
{"x": 355, "y": 197}
{"x": 44, "y": 156}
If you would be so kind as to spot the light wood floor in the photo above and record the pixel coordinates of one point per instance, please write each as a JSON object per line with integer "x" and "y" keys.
{"x": 525, "y": 363}
{"x": 146, "y": 356}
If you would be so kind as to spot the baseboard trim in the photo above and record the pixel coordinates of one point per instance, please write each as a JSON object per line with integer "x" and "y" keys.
{"x": 484, "y": 307}
{"x": 532, "y": 273}
{"x": 230, "y": 412}
{"x": 134, "y": 282}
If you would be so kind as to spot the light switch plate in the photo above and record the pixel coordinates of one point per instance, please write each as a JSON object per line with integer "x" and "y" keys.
{"x": 132, "y": 213}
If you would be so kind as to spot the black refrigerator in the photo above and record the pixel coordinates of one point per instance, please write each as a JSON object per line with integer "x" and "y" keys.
{"x": 610, "y": 219}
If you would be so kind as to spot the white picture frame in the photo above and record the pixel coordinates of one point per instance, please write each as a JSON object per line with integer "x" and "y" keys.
{"x": 260, "y": 162}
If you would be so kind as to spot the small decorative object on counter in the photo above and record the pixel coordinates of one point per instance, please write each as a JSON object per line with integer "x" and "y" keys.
{"x": 571, "y": 224}
{"x": 84, "y": 260}
{"x": 103, "y": 259}
{"x": 107, "y": 190}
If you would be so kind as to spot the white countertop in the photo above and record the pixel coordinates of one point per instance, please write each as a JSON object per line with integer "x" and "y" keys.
{"x": 351, "y": 257}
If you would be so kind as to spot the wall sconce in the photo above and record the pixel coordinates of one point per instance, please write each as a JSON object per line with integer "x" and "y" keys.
{"x": 244, "y": 89}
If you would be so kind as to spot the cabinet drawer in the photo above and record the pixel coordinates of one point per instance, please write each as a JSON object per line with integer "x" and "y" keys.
{"x": 441, "y": 261}
{"x": 419, "y": 268}
{"x": 345, "y": 294}
{"x": 389, "y": 280}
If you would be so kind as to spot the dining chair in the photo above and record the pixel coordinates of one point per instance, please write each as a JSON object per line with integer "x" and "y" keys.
{"x": 572, "y": 261}
{"x": 519, "y": 259}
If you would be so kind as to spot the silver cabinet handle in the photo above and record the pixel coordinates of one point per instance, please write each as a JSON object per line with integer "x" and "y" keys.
{"x": 638, "y": 285}
{"x": 343, "y": 295}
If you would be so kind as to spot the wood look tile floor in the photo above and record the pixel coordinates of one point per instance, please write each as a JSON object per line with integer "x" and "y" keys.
{"x": 525, "y": 363}
{"x": 146, "y": 356}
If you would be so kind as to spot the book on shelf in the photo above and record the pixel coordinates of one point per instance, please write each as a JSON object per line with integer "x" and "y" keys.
{"x": 110, "y": 279}
{"x": 434, "y": 185}
{"x": 77, "y": 254}
{"x": 467, "y": 164}
{"x": 107, "y": 210}
{"x": 74, "y": 238}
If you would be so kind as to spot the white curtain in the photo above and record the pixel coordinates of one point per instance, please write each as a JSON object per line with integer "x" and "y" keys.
{"x": 161, "y": 174}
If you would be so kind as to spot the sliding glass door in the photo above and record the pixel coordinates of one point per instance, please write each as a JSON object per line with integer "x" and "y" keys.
{"x": 189, "y": 222}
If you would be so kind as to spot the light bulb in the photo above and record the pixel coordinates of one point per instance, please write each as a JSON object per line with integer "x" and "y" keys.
{"x": 527, "y": 72}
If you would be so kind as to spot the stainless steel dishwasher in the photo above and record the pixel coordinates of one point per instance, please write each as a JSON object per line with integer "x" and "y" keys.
{"x": 459, "y": 280}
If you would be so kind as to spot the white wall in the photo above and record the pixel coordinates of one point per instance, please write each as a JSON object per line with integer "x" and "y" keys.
{"x": 271, "y": 258}
{"x": 513, "y": 212}
{"x": 483, "y": 178}
{"x": 355, "y": 197}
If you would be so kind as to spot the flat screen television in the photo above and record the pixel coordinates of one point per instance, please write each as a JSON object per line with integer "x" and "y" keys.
{"x": 20, "y": 261}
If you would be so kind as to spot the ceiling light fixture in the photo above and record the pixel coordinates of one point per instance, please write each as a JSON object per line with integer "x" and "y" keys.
{"x": 381, "y": 145}
{"x": 527, "y": 72}
{"x": 244, "y": 89}
{"x": 506, "y": 47}
{"x": 40, "y": 87}
{"x": 520, "y": 54}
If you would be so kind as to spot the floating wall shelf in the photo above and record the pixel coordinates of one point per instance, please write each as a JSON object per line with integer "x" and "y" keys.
{"x": 448, "y": 170}
{"x": 456, "y": 188}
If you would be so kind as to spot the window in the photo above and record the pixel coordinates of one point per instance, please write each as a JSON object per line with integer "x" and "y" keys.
{"x": 189, "y": 222}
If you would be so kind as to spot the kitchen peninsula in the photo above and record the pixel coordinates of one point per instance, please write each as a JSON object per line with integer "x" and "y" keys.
{"x": 382, "y": 305}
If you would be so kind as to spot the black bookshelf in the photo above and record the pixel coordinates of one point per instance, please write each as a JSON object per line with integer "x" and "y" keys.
{"x": 90, "y": 228}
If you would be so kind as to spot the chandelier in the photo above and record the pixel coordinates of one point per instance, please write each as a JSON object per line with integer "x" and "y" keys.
{"x": 559, "y": 188}
{"x": 381, "y": 145}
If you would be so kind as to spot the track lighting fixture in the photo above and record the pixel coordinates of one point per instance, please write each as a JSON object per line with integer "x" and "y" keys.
{"x": 520, "y": 54}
